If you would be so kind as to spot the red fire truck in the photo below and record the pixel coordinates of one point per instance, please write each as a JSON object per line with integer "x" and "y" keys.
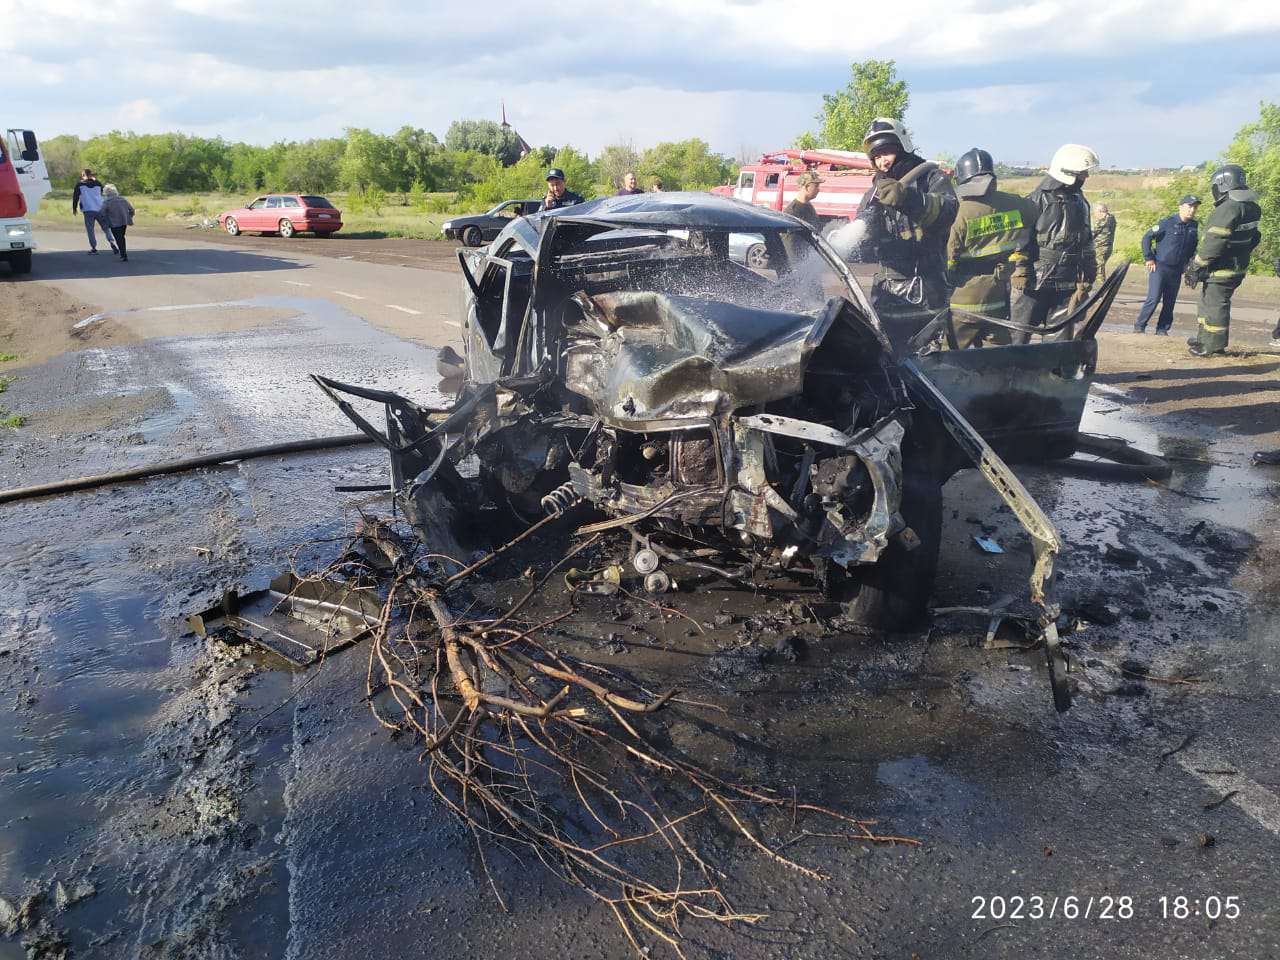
{"x": 771, "y": 182}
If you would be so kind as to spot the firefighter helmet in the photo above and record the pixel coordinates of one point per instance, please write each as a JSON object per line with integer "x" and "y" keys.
{"x": 1228, "y": 177}
{"x": 974, "y": 163}
{"x": 1072, "y": 161}
{"x": 885, "y": 131}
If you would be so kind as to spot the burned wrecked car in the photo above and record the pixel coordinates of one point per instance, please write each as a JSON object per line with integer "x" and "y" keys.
{"x": 618, "y": 353}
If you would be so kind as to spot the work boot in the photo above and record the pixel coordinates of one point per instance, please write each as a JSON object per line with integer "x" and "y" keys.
{"x": 1196, "y": 349}
{"x": 1269, "y": 457}
{"x": 1138, "y": 329}
{"x": 1162, "y": 333}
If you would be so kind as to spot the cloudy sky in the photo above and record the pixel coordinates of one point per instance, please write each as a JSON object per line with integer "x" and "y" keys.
{"x": 1145, "y": 82}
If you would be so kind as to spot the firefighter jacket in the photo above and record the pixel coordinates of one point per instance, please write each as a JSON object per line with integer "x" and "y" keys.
{"x": 1171, "y": 242}
{"x": 990, "y": 241}
{"x": 911, "y": 240}
{"x": 1063, "y": 239}
{"x": 1230, "y": 236}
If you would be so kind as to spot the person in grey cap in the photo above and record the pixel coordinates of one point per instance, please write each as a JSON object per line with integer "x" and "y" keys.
{"x": 1167, "y": 247}
{"x": 557, "y": 196}
{"x": 801, "y": 206}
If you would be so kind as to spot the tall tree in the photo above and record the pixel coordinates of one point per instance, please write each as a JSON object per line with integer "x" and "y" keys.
{"x": 484, "y": 136}
{"x": 684, "y": 165}
{"x": 1256, "y": 147}
{"x": 873, "y": 90}
{"x": 615, "y": 162}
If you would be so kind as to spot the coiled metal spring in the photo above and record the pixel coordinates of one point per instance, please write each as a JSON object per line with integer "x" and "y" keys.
{"x": 560, "y": 499}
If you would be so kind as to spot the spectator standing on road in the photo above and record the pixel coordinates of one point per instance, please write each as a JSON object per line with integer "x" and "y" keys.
{"x": 988, "y": 251}
{"x": 88, "y": 198}
{"x": 801, "y": 205}
{"x": 557, "y": 196}
{"x": 1167, "y": 247}
{"x": 1219, "y": 268}
{"x": 1065, "y": 267}
{"x": 1104, "y": 237}
{"x": 629, "y": 185}
{"x": 117, "y": 212}
{"x": 905, "y": 225}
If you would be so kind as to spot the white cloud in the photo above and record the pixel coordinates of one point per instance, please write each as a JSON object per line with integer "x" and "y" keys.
{"x": 1020, "y": 76}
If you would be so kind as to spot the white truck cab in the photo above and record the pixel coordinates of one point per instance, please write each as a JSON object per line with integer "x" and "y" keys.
{"x": 24, "y": 181}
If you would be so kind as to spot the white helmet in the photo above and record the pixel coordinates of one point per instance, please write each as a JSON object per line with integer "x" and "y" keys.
{"x": 887, "y": 130}
{"x": 1071, "y": 161}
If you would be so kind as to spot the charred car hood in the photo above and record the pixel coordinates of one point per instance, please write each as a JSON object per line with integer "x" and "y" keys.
{"x": 667, "y": 355}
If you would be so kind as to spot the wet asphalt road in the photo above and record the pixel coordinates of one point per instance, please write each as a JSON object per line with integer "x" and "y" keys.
{"x": 217, "y": 818}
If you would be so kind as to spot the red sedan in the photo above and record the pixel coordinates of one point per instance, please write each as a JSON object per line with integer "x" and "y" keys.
{"x": 285, "y": 214}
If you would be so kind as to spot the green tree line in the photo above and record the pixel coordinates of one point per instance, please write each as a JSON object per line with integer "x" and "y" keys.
{"x": 478, "y": 159}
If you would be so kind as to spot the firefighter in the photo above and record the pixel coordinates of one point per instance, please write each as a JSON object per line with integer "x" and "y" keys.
{"x": 988, "y": 251}
{"x": 906, "y": 227}
{"x": 802, "y": 206}
{"x": 1063, "y": 241}
{"x": 1167, "y": 247}
{"x": 557, "y": 196}
{"x": 1219, "y": 267}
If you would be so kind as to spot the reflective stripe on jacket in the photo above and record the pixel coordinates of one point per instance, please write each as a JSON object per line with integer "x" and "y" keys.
{"x": 989, "y": 240}
{"x": 1230, "y": 236}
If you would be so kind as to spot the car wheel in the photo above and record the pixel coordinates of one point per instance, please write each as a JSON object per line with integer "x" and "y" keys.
{"x": 893, "y": 594}
{"x": 286, "y": 228}
{"x": 231, "y": 226}
{"x": 757, "y": 256}
{"x": 472, "y": 237}
{"x": 21, "y": 262}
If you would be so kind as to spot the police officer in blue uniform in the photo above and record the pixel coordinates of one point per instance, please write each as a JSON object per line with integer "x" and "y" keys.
{"x": 1167, "y": 247}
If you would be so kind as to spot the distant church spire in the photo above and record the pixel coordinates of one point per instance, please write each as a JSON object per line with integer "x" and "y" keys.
{"x": 525, "y": 149}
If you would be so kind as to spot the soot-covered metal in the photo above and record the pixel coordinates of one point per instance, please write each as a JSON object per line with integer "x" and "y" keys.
{"x": 615, "y": 353}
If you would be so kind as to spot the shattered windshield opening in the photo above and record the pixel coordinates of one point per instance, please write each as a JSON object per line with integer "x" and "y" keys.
{"x": 780, "y": 270}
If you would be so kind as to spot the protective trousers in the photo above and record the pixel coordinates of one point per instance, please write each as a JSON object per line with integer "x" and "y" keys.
{"x": 1036, "y": 308}
{"x": 972, "y": 332}
{"x": 1214, "y": 313}
{"x": 1162, "y": 291}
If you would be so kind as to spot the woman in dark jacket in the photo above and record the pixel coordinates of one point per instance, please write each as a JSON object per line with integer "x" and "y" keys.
{"x": 119, "y": 216}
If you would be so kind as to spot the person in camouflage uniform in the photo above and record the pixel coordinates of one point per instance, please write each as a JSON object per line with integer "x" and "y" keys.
{"x": 1104, "y": 237}
{"x": 1220, "y": 266}
{"x": 988, "y": 250}
{"x": 801, "y": 206}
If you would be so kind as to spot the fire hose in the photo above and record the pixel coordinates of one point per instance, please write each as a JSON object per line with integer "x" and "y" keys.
{"x": 181, "y": 466}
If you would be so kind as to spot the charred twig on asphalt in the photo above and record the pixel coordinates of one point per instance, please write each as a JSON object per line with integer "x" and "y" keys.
{"x": 542, "y": 754}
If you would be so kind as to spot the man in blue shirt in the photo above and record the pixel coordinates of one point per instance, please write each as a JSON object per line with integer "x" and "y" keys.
{"x": 1167, "y": 247}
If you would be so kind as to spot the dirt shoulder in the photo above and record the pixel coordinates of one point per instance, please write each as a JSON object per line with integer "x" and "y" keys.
{"x": 396, "y": 251}
{"x": 38, "y": 322}
{"x": 1238, "y": 392}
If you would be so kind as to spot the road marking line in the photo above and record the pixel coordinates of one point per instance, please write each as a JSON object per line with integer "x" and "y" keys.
{"x": 353, "y": 296}
{"x": 454, "y": 324}
{"x": 396, "y": 306}
{"x": 1253, "y": 798}
{"x": 297, "y": 283}
{"x": 1109, "y": 390}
